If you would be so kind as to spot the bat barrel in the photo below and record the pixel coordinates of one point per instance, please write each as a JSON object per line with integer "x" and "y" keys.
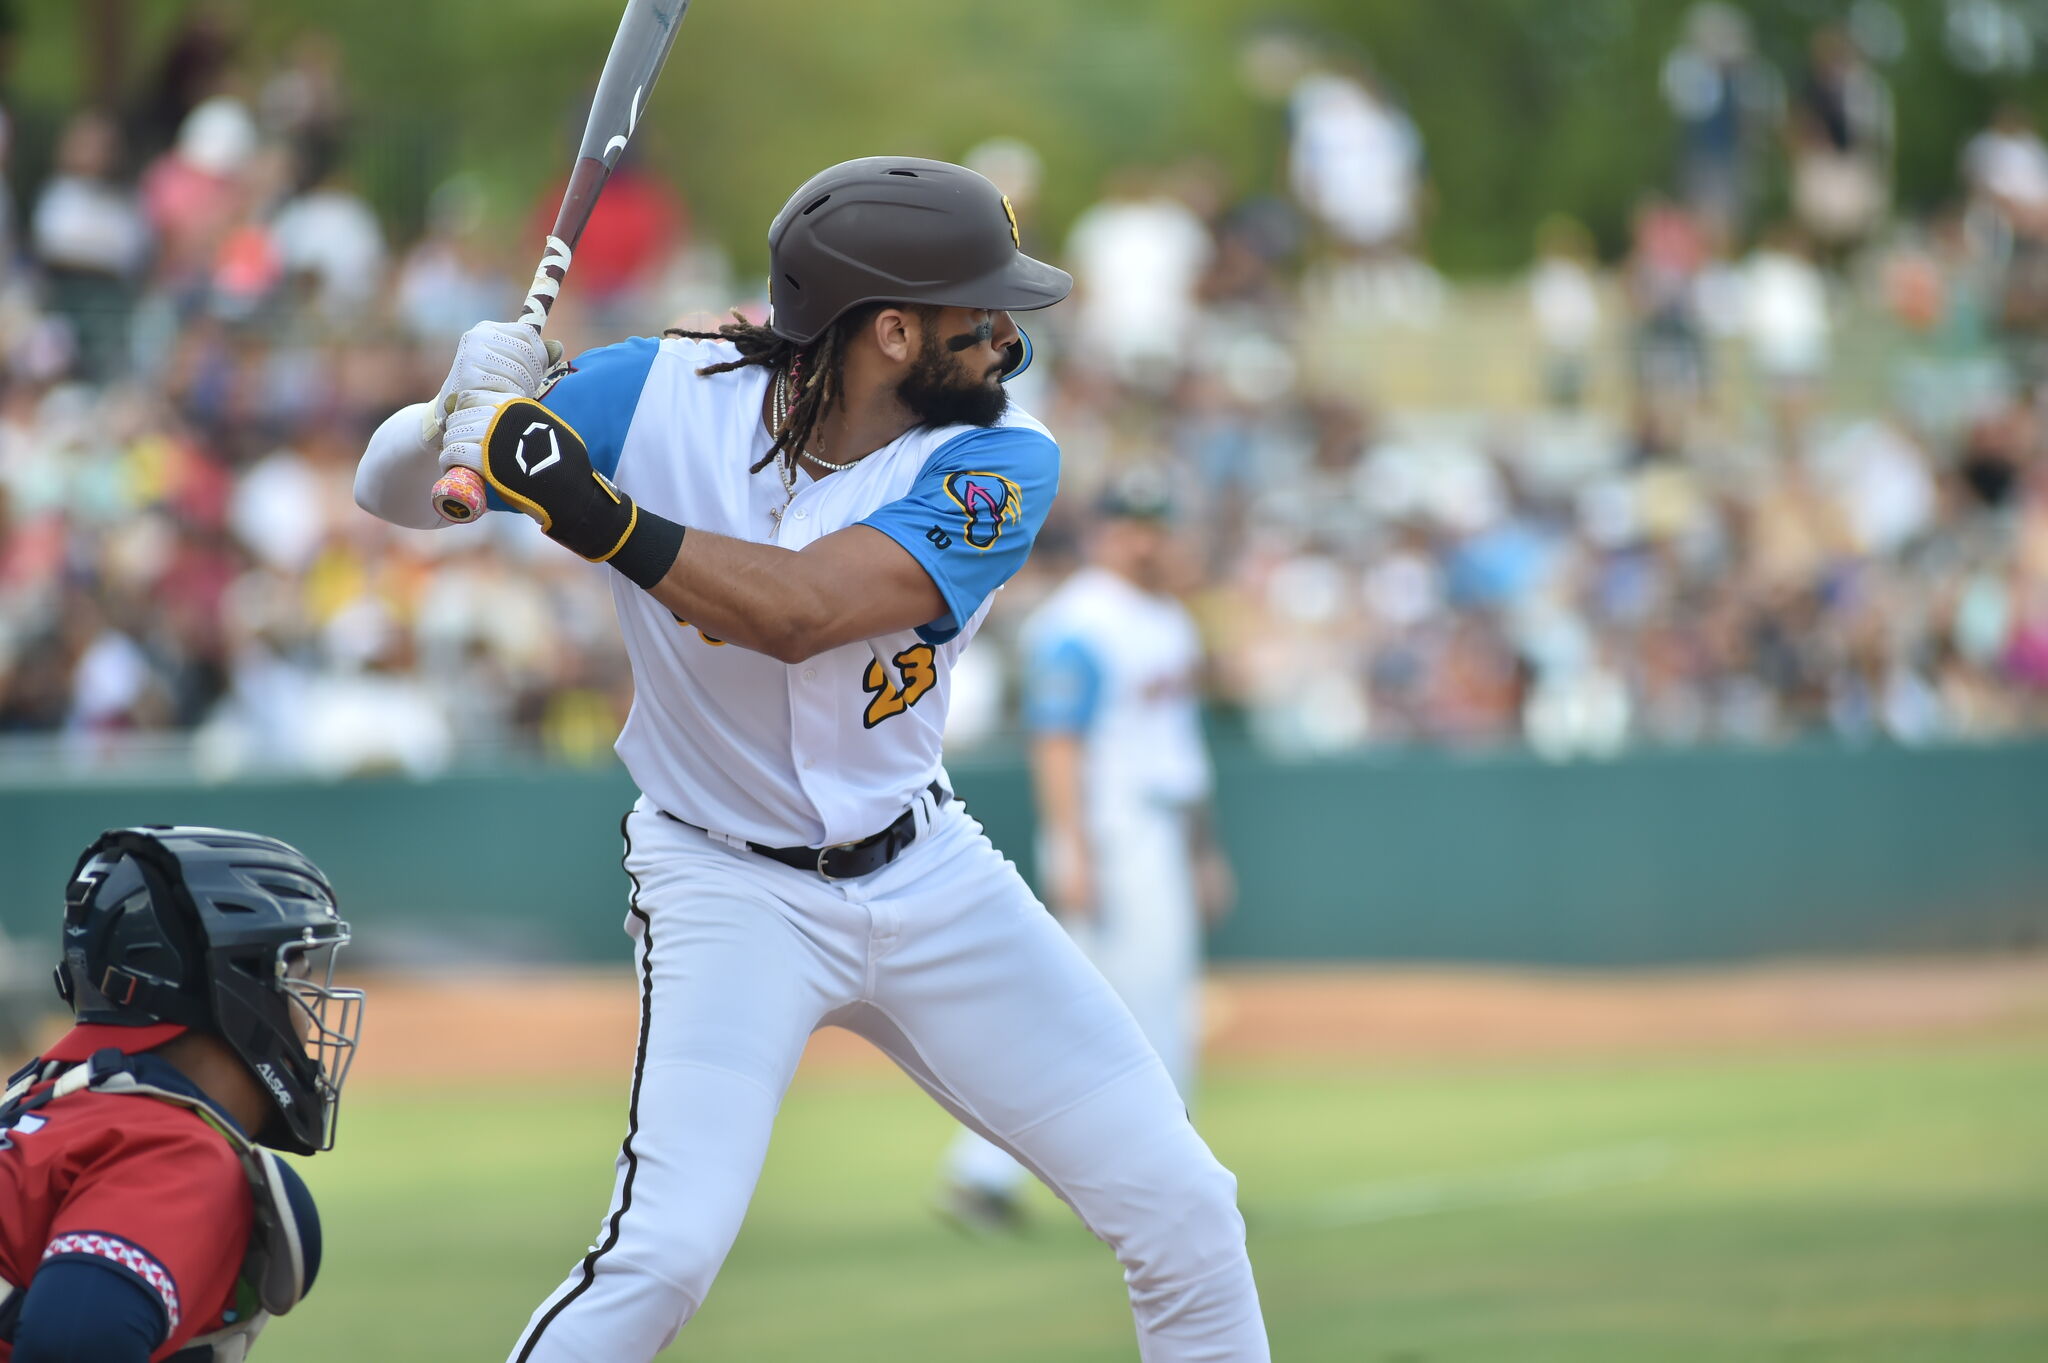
{"x": 647, "y": 31}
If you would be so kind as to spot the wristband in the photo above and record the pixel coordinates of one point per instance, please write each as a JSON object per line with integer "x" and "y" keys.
{"x": 649, "y": 549}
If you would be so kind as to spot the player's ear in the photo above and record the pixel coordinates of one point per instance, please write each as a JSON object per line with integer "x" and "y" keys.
{"x": 897, "y": 332}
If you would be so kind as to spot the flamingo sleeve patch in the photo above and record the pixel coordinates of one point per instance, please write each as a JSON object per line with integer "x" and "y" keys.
{"x": 972, "y": 515}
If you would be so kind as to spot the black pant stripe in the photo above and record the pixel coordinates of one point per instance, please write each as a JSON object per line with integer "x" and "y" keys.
{"x": 632, "y": 1106}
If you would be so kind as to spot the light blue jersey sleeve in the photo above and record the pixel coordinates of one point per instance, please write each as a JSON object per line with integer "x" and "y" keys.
{"x": 1066, "y": 687}
{"x": 598, "y": 396}
{"x": 972, "y": 515}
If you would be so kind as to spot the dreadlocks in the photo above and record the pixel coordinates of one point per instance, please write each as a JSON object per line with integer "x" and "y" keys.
{"x": 817, "y": 371}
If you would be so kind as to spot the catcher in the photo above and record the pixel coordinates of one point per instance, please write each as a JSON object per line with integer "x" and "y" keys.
{"x": 141, "y": 1217}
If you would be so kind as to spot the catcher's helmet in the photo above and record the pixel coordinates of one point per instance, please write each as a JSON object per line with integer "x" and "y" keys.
{"x": 898, "y": 229}
{"x": 228, "y": 933}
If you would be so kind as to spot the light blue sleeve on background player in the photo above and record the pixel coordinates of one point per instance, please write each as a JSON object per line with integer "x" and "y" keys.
{"x": 598, "y": 397}
{"x": 972, "y": 515}
{"x": 1066, "y": 687}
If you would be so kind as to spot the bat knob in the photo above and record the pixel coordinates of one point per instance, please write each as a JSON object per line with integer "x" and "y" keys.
{"x": 459, "y": 496}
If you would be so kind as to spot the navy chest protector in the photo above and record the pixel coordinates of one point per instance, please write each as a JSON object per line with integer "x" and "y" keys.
{"x": 284, "y": 1235}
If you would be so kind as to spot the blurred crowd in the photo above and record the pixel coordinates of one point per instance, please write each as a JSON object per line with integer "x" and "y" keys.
{"x": 1773, "y": 468}
{"x": 196, "y": 339}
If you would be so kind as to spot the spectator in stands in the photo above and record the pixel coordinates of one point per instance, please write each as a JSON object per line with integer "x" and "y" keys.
{"x": 114, "y": 685}
{"x": 1355, "y": 161}
{"x": 89, "y": 236}
{"x": 447, "y": 281}
{"x": 193, "y": 195}
{"x": 1355, "y": 164}
{"x": 304, "y": 105}
{"x": 1138, "y": 258}
{"x": 1839, "y": 129}
{"x": 1785, "y": 321}
{"x": 1670, "y": 255}
{"x": 2006, "y": 170}
{"x": 1725, "y": 98}
{"x": 1564, "y": 304}
{"x": 330, "y": 242}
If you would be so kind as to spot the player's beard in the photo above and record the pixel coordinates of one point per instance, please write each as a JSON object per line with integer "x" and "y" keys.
{"x": 938, "y": 393}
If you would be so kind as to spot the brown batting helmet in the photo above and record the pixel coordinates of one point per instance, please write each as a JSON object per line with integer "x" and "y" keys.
{"x": 898, "y": 229}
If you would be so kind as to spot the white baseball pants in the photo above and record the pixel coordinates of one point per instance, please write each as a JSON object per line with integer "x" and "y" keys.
{"x": 1145, "y": 937}
{"x": 945, "y": 961}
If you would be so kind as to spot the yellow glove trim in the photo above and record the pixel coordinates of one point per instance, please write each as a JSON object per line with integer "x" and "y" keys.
{"x": 527, "y": 504}
{"x": 518, "y": 503}
{"x": 632, "y": 524}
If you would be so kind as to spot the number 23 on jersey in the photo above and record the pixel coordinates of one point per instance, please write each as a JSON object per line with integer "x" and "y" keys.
{"x": 919, "y": 672}
{"x": 916, "y": 665}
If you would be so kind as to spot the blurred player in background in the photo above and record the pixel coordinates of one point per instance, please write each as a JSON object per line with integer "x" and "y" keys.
{"x": 140, "y": 1216}
{"x": 1122, "y": 780}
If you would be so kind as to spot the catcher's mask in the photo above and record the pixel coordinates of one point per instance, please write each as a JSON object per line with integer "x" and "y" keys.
{"x": 228, "y": 933}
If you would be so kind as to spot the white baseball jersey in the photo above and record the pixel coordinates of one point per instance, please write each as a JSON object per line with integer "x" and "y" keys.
{"x": 1119, "y": 666}
{"x": 836, "y": 747}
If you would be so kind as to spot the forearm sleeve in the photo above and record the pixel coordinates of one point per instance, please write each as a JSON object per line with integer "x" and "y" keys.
{"x": 395, "y": 480}
{"x": 78, "y": 1311}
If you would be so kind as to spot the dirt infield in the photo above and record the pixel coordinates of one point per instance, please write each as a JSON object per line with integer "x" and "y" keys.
{"x": 542, "y": 1025}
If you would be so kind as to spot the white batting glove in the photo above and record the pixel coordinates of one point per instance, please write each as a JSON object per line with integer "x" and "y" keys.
{"x": 492, "y": 357}
{"x": 463, "y": 432}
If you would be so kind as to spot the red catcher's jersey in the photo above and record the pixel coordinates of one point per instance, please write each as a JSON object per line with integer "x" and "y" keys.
{"x": 134, "y": 1181}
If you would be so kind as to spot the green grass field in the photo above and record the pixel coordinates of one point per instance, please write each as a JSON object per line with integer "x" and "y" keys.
{"x": 1874, "y": 1204}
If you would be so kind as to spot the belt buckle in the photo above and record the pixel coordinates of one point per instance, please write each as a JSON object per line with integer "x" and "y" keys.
{"x": 824, "y": 852}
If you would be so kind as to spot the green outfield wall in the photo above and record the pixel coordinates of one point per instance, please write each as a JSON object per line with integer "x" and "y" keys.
{"x": 1655, "y": 858}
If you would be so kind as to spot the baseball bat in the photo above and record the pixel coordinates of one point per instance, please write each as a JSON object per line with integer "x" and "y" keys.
{"x": 647, "y": 31}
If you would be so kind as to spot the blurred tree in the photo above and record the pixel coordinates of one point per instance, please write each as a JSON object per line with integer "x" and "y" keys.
{"x": 1526, "y": 107}
{"x": 107, "y": 24}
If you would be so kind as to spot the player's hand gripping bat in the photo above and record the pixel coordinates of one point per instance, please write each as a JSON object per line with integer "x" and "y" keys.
{"x": 646, "y": 33}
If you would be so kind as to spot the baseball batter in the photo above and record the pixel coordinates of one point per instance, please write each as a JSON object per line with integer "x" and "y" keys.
{"x": 805, "y": 522}
{"x": 140, "y": 1217}
{"x": 1122, "y": 780}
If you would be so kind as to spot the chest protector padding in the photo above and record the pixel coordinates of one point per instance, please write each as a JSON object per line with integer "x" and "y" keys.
{"x": 284, "y": 1234}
